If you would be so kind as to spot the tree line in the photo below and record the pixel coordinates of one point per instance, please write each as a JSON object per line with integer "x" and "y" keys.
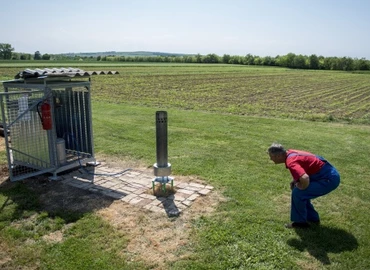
{"x": 290, "y": 60}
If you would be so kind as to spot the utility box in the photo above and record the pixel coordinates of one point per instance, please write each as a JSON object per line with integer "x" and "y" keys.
{"x": 46, "y": 117}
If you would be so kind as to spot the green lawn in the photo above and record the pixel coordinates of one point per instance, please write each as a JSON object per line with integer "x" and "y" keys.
{"x": 227, "y": 148}
{"x": 230, "y": 153}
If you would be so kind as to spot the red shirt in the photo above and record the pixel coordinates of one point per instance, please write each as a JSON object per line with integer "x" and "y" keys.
{"x": 301, "y": 162}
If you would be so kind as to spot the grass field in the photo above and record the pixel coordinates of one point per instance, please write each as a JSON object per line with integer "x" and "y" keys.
{"x": 221, "y": 121}
{"x": 235, "y": 89}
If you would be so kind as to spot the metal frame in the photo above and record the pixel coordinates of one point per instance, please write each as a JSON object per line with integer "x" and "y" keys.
{"x": 33, "y": 151}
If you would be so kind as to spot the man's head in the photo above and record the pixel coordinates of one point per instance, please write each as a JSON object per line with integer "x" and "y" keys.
{"x": 277, "y": 153}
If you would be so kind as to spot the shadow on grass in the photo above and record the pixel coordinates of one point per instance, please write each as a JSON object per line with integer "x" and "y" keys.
{"x": 25, "y": 198}
{"x": 321, "y": 240}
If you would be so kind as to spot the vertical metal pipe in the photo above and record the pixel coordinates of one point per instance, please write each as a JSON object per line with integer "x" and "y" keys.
{"x": 88, "y": 110}
{"x": 79, "y": 124}
{"x": 5, "y": 127}
{"x": 84, "y": 121}
{"x": 161, "y": 135}
{"x": 70, "y": 119}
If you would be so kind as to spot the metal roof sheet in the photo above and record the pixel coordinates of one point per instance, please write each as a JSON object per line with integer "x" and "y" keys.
{"x": 59, "y": 72}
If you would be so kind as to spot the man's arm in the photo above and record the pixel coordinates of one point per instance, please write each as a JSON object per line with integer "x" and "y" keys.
{"x": 303, "y": 182}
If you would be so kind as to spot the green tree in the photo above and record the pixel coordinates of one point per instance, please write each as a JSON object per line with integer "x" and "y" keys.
{"x": 37, "y": 55}
{"x": 346, "y": 63}
{"x": 46, "y": 56}
{"x": 249, "y": 59}
{"x": 268, "y": 61}
{"x": 226, "y": 58}
{"x": 210, "y": 58}
{"x": 189, "y": 59}
{"x": 321, "y": 62}
{"x": 138, "y": 59}
{"x": 6, "y": 51}
{"x": 25, "y": 56}
{"x": 178, "y": 59}
{"x": 235, "y": 59}
{"x": 198, "y": 58}
{"x": 334, "y": 63}
{"x": 299, "y": 62}
{"x": 280, "y": 61}
{"x": 257, "y": 60}
{"x": 166, "y": 59}
{"x": 290, "y": 60}
{"x": 16, "y": 56}
{"x": 361, "y": 64}
{"x": 313, "y": 61}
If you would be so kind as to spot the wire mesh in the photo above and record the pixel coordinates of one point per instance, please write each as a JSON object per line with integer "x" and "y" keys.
{"x": 31, "y": 149}
{"x": 28, "y": 149}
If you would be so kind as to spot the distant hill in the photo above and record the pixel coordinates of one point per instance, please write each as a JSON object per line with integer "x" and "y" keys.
{"x": 114, "y": 53}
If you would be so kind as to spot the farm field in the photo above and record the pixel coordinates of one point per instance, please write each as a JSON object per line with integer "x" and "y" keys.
{"x": 235, "y": 89}
{"x": 222, "y": 118}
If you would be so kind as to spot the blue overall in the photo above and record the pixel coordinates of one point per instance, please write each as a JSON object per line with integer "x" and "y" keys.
{"x": 321, "y": 183}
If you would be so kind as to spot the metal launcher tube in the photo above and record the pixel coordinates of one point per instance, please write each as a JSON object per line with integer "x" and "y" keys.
{"x": 162, "y": 169}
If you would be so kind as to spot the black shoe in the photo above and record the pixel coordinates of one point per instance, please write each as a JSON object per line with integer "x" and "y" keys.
{"x": 316, "y": 222}
{"x": 297, "y": 225}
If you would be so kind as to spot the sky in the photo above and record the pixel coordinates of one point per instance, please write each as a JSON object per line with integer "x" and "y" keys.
{"x": 236, "y": 27}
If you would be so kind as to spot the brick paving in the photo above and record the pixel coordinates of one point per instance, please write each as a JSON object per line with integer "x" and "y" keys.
{"x": 135, "y": 187}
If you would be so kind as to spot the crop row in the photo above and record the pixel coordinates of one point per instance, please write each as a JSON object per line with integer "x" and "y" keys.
{"x": 277, "y": 92}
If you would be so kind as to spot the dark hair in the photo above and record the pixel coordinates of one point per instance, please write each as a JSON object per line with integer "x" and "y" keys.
{"x": 276, "y": 148}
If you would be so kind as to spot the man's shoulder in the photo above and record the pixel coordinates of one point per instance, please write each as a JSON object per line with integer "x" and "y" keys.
{"x": 299, "y": 152}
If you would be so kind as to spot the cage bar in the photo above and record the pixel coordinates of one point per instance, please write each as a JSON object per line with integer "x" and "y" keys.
{"x": 31, "y": 150}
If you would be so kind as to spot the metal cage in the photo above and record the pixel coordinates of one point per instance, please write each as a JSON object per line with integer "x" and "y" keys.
{"x": 31, "y": 150}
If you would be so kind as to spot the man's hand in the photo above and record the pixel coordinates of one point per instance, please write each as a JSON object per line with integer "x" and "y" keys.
{"x": 303, "y": 182}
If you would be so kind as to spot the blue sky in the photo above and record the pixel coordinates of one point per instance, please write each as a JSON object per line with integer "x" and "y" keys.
{"x": 236, "y": 27}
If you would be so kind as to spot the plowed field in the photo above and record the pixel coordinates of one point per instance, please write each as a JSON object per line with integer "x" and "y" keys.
{"x": 263, "y": 91}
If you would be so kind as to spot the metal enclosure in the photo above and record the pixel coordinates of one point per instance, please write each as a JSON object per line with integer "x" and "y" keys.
{"x": 31, "y": 150}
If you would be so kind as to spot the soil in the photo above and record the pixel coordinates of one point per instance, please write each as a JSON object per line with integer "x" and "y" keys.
{"x": 153, "y": 237}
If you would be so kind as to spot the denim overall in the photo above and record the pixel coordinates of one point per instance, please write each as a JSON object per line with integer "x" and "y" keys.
{"x": 321, "y": 183}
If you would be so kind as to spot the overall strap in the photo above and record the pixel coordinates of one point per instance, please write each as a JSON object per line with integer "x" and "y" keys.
{"x": 307, "y": 155}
